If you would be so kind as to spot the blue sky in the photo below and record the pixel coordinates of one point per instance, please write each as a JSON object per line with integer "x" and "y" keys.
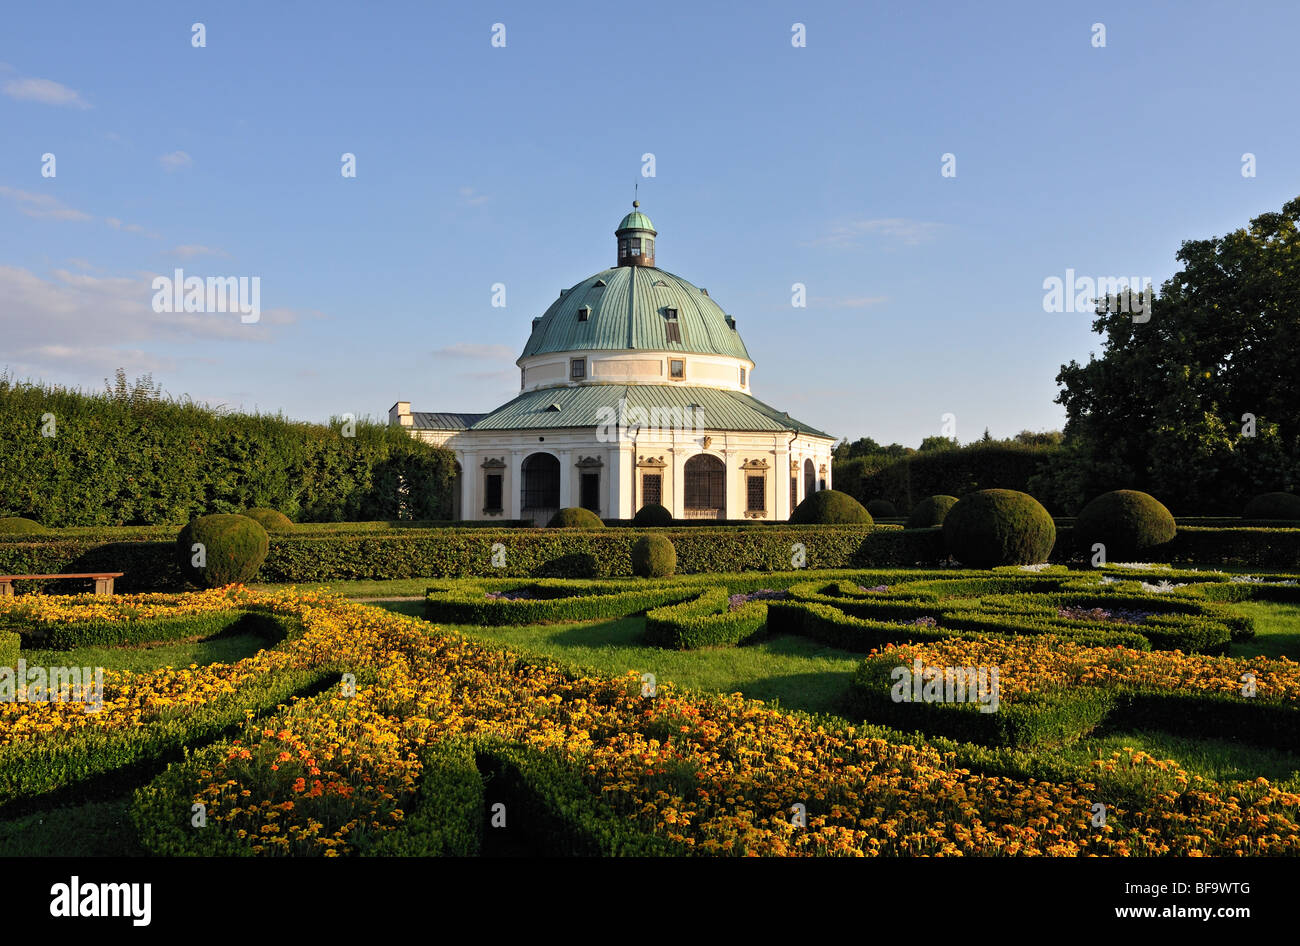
{"x": 479, "y": 164}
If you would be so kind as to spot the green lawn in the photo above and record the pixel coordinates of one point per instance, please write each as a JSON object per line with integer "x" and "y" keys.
{"x": 1277, "y": 630}
{"x": 220, "y": 649}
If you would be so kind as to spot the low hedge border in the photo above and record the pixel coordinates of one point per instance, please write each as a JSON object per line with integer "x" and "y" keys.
{"x": 546, "y": 797}
{"x": 705, "y": 621}
{"x": 71, "y": 635}
{"x": 1066, "y": 714}
{"x": 10, "y": 648}
{"x": 468, "y": 604}
{"x": 1046, "y": 719}
{"x": 446, "y": 817}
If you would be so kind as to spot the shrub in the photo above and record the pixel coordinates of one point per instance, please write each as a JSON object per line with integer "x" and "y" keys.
{"x": 930, "y": 511}
{"x": 1273, "y": 506}
{"x": 1127, "y": 522}
{"x": 882, "y": 509}
{"x": 653, "y": 556}
{"x": 999, "y": 527}
{"x": 830, "y": 507}
{"x": 575, "y": 517}
{"x": 234, "y": 547}
{"x": 271, "y": 520}
{"x": 653, "y": 514}
{"x": 15, "y": 525}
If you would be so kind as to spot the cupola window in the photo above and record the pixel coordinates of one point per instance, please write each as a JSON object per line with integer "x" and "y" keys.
{"x": 577, "y": 369}
{"x": 677, "y": 369}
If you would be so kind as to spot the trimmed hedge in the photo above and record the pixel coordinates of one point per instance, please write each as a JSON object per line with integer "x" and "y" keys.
{"x": 882, "y": 509}
{"x": 270, "y": 519}
{"x": 234, "y": 548}
{"x": 1040, "y": 720}
{"x": 10, "y": 647}
{"x": 468, "y": 603}
{"x": 446, "y": 817}
{"x": 68, "y": 635}
{"x": 653, "y": 514}
{"x": 546, "y": 798}
{"x": 575, "y": 517}
{"x": 304, "y": 557}
{"x": 16, "y": 525}
{"x": 999, "y": 527}
{"x": 653, "y": 556}
{"x": 930, "y": 511}
{"x": 1273, "y": 506}
{"x": 830, "y": 507}
{"x": 706, "y": 621}
{"x": 1128, "y": 523}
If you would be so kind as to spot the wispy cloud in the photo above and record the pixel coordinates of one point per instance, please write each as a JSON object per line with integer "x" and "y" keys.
{"x": 191, "y": 250}
{"x": 175, "y": 160}
{"x": 117, "y": 224}
{"x": 42, "y": 206}
{"x": 472, "y": 198}
{"x": 44, "y": 92}
{"x": 467, "y": 350}
{"x": 900, "y": 229}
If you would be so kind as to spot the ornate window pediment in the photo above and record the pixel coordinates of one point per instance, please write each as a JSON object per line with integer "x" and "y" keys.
{"x": 652, "y": 462}
{"x": 759, "y": 464}
{"x": 590, "y": 463}
{"x": 494, "y": 463}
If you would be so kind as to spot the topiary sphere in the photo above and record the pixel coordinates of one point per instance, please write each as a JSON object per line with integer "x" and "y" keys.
{"x": 653, "y": 514}
{"x": 830, "y": 507}
{"x": 882, "y": 509}
{"x": 1127, "y": 522}
{"x": 272, "y": 520}
{"x": 993, "y": 527}
{"x": 1273, "y": 506}
{"x": 930, "y": 511}
{"x": 16, "y": 525}
{"x": 653, "y": 556}
{"x": 575, "y": 517}
{"x": 233, "y": 548}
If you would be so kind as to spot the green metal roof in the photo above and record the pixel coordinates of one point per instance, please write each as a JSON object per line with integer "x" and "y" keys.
{"x": 628, "y": 306}
{"x": 581, "y": 406}
{"x": 636, "y": 220}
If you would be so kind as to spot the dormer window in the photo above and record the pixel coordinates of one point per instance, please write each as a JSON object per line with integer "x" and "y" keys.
{"x": 584, "y": 313}
{"x": 670, "y": 315}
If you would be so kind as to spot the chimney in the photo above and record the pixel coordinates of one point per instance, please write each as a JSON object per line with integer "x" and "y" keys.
{"x": 399, "y": 415}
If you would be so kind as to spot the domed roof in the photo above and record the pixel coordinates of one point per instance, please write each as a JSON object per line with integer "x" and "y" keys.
{"x": 627, "y": 307}
{"x": 636, "y": 220}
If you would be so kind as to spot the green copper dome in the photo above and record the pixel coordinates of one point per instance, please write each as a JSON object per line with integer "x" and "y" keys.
{"x": 627, "y": 307}
{"x": 636, "y": 220}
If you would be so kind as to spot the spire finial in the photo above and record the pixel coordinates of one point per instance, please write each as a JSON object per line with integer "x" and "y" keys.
{"x": 636, "y": 203}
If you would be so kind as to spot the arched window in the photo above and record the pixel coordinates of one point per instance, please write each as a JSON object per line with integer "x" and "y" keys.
{"x": 541, "y": 486}
{"x": 809, "y": 478}
{"x": 706, "y": 487}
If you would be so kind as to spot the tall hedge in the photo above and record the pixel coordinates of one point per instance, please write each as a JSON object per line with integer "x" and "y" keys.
{"x": 76, "y": 459}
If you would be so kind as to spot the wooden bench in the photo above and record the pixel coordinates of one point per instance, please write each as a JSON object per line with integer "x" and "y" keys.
{"x": 103, "y": 581}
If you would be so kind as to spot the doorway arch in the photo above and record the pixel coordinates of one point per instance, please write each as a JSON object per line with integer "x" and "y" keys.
{"x": 705, "y": 487}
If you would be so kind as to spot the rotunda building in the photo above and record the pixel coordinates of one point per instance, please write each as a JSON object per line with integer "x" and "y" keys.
{"x": 634, "y": 389}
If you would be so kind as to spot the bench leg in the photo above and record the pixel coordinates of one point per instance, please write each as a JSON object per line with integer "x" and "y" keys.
{"x": 103, "y": 586}
{"x": 6, "y": 587}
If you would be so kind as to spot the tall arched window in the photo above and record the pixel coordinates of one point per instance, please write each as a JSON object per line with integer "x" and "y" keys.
{"x": 809, "y": 478}
{"x": 540, "y": 474}
{"x": 705, "y": 487}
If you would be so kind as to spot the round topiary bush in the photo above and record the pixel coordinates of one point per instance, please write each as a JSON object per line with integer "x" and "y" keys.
{"x": 575, "y": 517}
{"x": 653, "y": 514}
{"x": 1127, "y": 522}
{"x": 998, "y": 527}
{"x": 272, "y": 520}
{"x": 653, "y": 556}
{"x": 830, "y": 507}
{"x": 1273, "y": 506}
{"x": 232, "y": 549}
{"x": 882, "y": 509}
{"x": 930, "y": 511}
{"x": 16, "y": 525}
